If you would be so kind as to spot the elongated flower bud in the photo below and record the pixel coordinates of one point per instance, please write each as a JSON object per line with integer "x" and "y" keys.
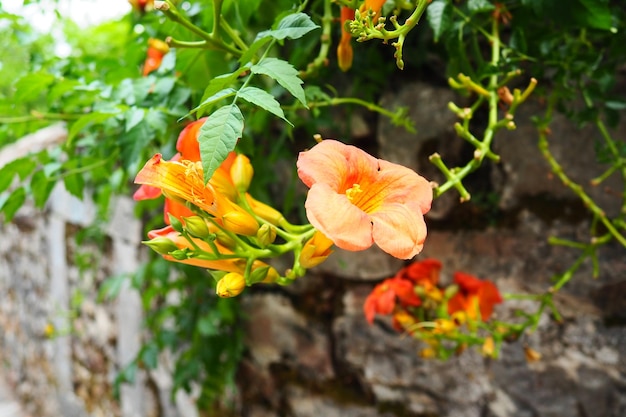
{"x": 240, "y": 222}
{"x": 241, "y": 172}
{"x": 161, "y": 245}
{"x": 267, "y": 213}
{"x": 231, "y": 285}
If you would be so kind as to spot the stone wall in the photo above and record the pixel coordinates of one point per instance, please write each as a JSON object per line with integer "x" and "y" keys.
{"x": 310, "y": 351}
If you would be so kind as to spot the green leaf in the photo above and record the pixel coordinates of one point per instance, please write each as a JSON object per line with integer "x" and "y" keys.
{"x": 264, "y": 100}
{"x": 256, "y": 45}
{"x": 30, "y": 86}
{"x": 476, "y": 6}
{"x": 149, "y": 355}
{"x": 597, "y": 14}
{"x": 218, "y": 136}
{"x": 22, "y": 167}
{"x": 84, "y": 121}
{"x": 75, "y": 185}
{"x": 293, "y": 26}
{"x": 111, "y": 287}
{"x": 13, "y": 203}
{"x": 133, "y": 116}
{"x": 227, "y": 92}
{"x": 41, "y": 187}
{"x": 439, "y": 15}
{"x": 284, "y": 73}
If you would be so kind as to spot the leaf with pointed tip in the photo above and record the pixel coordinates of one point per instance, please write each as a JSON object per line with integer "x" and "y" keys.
{"x": 218, "y": 136}
{"x": 293, "y": 26}
{"x": 264, "y": 100}
{"x": 284, "y": 73}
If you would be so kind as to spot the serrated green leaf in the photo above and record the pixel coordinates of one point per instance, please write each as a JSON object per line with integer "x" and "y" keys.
{"x": 293, "y": 26}
{"x": 218, "y": 136}
{"x": 84, "y": 121}
{"x": 264, "y": 100}
{"x": 13, "y": 203}
{"x": 41, "y": 187}
{"x": 133, "y": 117}
{"x": 75, "y": 185}
{"x": 30, "y": 86}
{"x": 439, "y": 15}
{"x": 284, "y": 73}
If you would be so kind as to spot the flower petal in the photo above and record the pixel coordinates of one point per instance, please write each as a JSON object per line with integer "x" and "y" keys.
{"x": 403, "y": 185}
{"x": 336, "y": 164}
{"x": 342, "y": 222}
{"x": 398, "y": 230}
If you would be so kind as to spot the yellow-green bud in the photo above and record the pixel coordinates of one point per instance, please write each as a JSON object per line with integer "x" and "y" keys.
{"x": 161, "y": 245}
{"x": 196, "y": 226}
{"x": 241, "y": 172}
{"x": 266, "y": 235}
{"x": 231, "y": 285}
{"x": 240, "y": 222}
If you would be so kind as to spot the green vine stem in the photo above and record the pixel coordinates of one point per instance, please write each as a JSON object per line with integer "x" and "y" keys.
{"x": 576, "y": 188}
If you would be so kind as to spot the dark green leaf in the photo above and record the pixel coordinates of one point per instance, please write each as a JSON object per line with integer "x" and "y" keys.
{"x": 22, "y": 167}
{"x": 597, "y": 14}
{"x": 218, "y": 136}
{"x": 284, "y": 73}
{"x": 439, "y": 15}
{"x": 262, "y": 99}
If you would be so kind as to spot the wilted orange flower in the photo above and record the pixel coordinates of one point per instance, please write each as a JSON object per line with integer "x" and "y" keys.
{"x": 357, "y": 200}
{"x": 474, "y": 296}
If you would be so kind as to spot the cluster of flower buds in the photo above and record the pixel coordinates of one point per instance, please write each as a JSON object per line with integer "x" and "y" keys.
{"x": 218, "y": 225}
{"x": 447, "y": 318}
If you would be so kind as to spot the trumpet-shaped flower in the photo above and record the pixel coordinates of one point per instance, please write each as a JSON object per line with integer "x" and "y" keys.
{"x": 357, "y": 200}
{"x": 179, "y": 180}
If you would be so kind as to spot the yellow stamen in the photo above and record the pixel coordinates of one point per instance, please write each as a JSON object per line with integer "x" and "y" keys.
{"x": 352, "y": 192}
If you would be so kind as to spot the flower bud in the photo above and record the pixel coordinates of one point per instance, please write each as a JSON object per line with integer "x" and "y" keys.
{"x": 241, "y": 172}
{"x": 240, "y": 222}
{"x": 231, "y": 285}
{"x": 315, "y": 250}
{"x": 267, "y": 213}
{"x": 489, "y": 347}
{"x": 161, "y": 245}
{"x": 196, "y": 226}
{"x": 266, "y": 235}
